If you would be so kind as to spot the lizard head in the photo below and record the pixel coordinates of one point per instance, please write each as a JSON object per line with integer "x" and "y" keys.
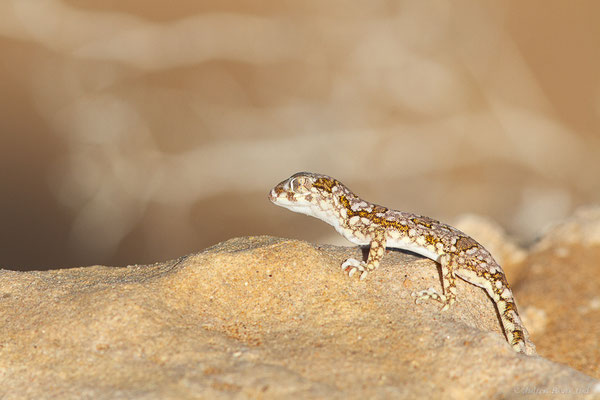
{"x": 308, "y": 193}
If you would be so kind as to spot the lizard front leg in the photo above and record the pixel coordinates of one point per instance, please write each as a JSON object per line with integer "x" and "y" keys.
{"x": 378, "y": 241}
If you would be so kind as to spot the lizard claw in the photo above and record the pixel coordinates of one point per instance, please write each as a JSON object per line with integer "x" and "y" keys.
{"x": 352, "y": 265}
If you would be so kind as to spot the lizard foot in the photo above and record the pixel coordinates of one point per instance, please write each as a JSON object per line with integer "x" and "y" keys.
{"x": 432, "y": 294}
{"x": 351, "y": 266}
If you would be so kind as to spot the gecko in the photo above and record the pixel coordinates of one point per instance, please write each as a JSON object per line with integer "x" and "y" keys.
{"x": 368, "y": 224}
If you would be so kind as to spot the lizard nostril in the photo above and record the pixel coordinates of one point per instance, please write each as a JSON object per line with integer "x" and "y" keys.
{"x": 272, "y": 195}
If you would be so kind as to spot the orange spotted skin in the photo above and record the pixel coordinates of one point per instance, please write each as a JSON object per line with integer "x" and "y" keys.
{"x": 365, "y": 223}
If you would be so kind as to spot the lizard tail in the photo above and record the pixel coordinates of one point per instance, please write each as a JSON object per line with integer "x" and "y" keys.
{"x": 516, "y": 333}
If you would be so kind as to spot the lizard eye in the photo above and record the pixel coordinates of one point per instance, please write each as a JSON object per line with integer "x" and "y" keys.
{"x": 298, "y": 184}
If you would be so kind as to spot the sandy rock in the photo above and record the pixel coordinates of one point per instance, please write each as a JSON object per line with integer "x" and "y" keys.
{"x": 258, "y": 317}
{"x": 560, "y": 286}
{"x": 582, "y": 228}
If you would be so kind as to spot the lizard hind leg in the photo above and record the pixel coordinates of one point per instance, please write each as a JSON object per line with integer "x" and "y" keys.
{"x": 448, "y": 287}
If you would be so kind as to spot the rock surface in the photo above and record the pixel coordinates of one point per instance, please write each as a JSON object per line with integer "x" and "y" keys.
{"x": 263, "y": 317}
{"x": 560, "y": 285}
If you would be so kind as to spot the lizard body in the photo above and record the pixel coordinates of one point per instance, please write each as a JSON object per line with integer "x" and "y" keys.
{"x": 364, "y": 223}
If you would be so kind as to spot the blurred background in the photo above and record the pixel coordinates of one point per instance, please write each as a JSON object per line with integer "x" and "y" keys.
{"x": 134, "y": 132}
